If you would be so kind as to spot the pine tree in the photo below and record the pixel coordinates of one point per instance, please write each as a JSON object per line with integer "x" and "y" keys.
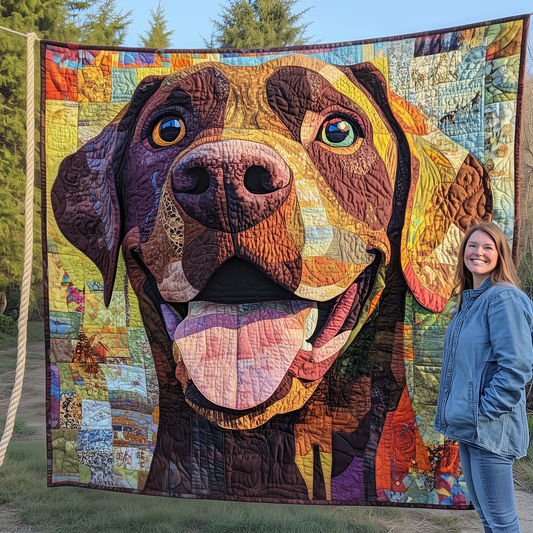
{"x": 58, "y": 20}
{"x": 61, "y": 20}
{"x": 104, "y": 24}
{"x": 48, "y": 19}
{"x": 260, "y": 24}
{"x": 157, "y": 36}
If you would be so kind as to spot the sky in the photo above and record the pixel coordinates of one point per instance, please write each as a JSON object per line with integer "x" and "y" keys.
{"x": 332, "y": 20}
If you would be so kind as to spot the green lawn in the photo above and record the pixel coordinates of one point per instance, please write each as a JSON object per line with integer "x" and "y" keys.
{"x": 35, "y": 333}
{"x": 77, "y": 510}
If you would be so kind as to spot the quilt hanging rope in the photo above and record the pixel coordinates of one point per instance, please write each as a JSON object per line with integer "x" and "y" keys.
{"x": 28, "y": 244}
{"x": 250, "y": 257}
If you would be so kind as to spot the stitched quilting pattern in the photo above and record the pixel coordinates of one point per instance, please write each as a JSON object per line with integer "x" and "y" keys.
{"x": 250, "y": 258}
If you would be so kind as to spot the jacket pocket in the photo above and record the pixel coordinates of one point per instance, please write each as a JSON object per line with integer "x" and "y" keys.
{"x": 459, "y": 413}
{"x": 490, "y": 368}
{"x": 518, "y": 431}
{"x": 492, "y": 434}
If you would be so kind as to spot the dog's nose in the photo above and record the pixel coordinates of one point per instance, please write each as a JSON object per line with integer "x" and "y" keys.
{"x": 231, "y": 185}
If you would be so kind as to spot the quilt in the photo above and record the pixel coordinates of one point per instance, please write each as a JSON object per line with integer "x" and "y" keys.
{"x": 250, "y": 257}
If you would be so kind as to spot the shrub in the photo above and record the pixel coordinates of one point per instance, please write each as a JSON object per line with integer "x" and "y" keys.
{"x": 13, "y": 303}
{"x": 8, "y": 325}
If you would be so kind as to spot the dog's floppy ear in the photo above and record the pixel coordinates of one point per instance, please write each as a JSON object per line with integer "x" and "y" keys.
{"x": 449, "y": 190}
{"x": 86, "y": 195}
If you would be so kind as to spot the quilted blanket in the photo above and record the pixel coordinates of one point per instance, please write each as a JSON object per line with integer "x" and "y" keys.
{"x": 250, "y": 256}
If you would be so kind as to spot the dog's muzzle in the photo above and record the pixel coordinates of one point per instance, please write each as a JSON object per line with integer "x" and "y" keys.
{"x": 245, "y": 332}
{"x": 231, "y": 185}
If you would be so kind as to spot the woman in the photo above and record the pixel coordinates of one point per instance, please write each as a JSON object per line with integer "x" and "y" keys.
{"x": 488, "y": 355}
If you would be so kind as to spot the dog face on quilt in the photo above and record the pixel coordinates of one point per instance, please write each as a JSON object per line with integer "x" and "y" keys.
{"x": 266, "y": 214}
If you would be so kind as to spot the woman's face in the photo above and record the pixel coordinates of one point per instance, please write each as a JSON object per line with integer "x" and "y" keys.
{"x": 481, "y": 256}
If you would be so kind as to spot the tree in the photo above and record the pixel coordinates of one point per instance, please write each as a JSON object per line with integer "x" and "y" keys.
{"x": 11, "y": 223}
{"x": 260, "y": 24}
{"x": 61, "y": 20}
{"x": 157, "y": 36}
{"x": 58, "y": 20}
{"x": 104, "y": 24}
{"x": 51, "y": 19}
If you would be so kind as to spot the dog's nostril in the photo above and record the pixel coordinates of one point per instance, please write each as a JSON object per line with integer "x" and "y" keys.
{"x": 258, "y": 180}
{"x": 194, "y": 180}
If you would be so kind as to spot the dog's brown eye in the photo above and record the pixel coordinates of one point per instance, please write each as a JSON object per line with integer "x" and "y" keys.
{"x": 339, "y": 132}
{"x": 168, "y": 131}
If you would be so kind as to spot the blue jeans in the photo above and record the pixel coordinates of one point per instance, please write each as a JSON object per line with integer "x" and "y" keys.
{"x": 489, "y": 478}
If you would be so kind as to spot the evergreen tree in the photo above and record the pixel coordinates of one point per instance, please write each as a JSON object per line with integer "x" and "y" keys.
{"x": 48, "y": 19}
{"x": 103, "y": 24}
{"x": 260, "y": 24}
{"x": 212, "y": 42}
{"x": 61, "y": 20}
{"x": 157, "y": 36}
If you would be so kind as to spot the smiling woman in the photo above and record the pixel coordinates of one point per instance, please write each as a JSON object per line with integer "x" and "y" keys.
{"x": 488, "y": 354}
{"x": 481, "y": 256}
{"x": 484, "y": 251}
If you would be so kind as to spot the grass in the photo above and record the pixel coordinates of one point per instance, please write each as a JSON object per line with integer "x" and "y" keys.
{"x": 35, "y": 331}
{"x": 523, "y": 468}
{"x": 35, "y": 334}
{"x": 8, "y": 361}
{"x": 20, "y": 427}
{"x": 78, "y": 510}
{"x": 7, "y": 365}
{"x": 6, "y": 341}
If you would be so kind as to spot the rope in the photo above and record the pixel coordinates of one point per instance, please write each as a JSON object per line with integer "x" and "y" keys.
{"x": 28, "y": 249}
{"x": 13, "y": 31}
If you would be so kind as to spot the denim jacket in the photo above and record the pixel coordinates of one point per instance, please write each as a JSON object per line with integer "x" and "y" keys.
{"x": 487, "y": 361}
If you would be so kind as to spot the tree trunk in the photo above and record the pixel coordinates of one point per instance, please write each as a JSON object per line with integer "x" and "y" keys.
{"x": 3, "y": 302}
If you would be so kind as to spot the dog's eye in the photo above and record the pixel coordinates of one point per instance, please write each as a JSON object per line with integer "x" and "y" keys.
{"x": 167, "y": 131}
{"x": 339, "y": 131}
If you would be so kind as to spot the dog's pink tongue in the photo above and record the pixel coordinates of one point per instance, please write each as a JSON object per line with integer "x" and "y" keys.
{"x": 237, "y": 355}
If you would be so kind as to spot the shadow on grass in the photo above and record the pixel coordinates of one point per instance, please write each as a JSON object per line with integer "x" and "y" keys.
{"x": 71, "y": 509}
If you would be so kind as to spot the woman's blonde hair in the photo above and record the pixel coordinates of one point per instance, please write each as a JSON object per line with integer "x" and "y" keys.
{"x": 505, "y": 270}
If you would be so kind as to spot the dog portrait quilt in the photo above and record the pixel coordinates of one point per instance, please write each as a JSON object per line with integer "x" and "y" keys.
{"x": 250, "y": 257}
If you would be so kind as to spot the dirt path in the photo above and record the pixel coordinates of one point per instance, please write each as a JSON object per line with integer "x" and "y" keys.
{"x": 470, "y": 522}
{"x": 32, "y": 410}
{"x": 11, "y": 523}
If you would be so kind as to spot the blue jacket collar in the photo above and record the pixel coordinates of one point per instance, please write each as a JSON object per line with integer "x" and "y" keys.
{"x": 474, "y": 293}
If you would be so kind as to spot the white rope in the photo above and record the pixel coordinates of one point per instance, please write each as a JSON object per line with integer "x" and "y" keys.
{"x": 13, "y": 31}
{"x": 28, "y": 248}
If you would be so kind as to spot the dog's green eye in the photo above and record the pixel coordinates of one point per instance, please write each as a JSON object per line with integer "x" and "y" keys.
{"x": 168, "y": 131}
{"x": 339, "y": 132}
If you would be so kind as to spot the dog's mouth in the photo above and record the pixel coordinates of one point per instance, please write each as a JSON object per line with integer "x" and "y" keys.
{"x": 245, "y": 343}
{"x": 243, "y": 335}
